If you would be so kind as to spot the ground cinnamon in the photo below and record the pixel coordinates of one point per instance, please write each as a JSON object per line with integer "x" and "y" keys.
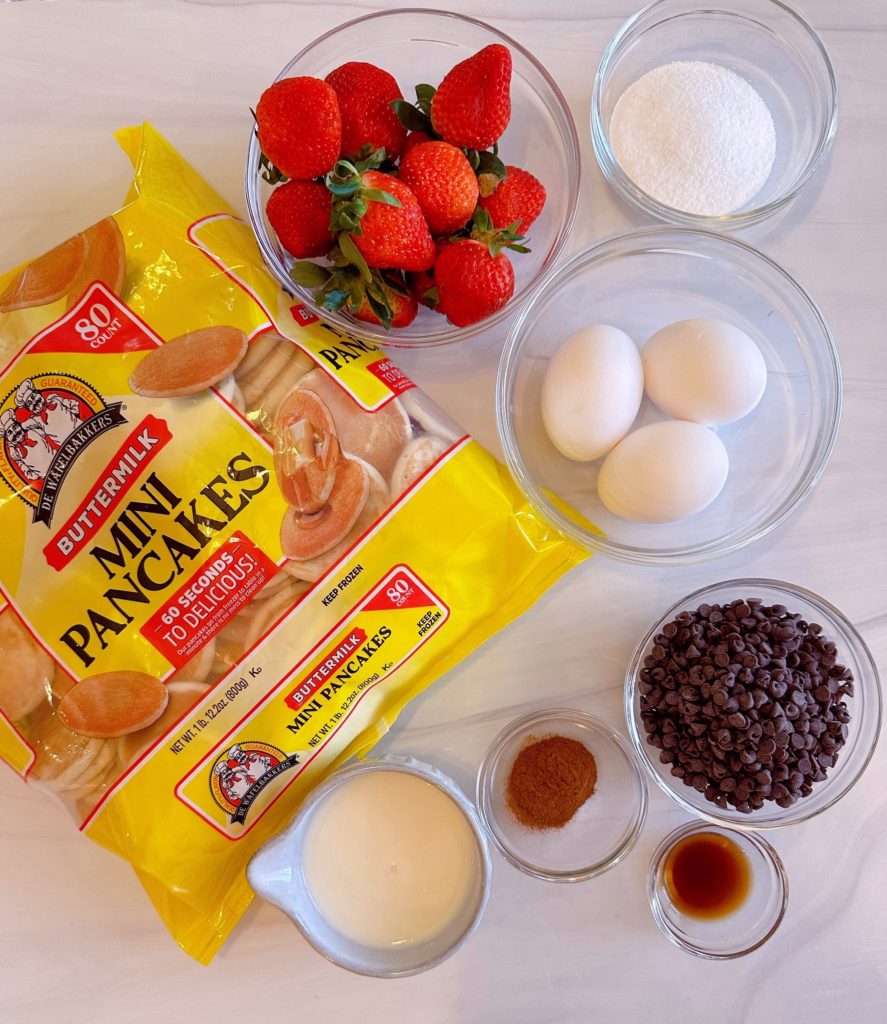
{"x": 549, "y": 781}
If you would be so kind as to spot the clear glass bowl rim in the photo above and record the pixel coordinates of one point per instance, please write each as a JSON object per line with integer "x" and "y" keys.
{"x": 484, "y": 794}
{"x": 625, "y": 244}
{"x": 448, "y": 334}
{"x": 636, "y": 196}
{"x": 794, "y": 814}
{"x": 433, "y": 775}
{"x": 763, "y": 847}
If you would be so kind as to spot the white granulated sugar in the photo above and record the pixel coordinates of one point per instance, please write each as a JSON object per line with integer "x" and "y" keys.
{"x": 694, "y": 135}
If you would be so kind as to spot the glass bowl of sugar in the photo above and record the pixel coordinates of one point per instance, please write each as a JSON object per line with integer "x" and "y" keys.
{"x": 713, "y": 117}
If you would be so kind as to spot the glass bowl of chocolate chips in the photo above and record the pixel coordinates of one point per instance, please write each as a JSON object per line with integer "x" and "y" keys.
{"x": 753, "y": 703}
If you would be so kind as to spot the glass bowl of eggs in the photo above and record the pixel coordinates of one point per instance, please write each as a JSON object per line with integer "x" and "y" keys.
{"x": 422, "y": 46}
{"x": 668, "y": 396}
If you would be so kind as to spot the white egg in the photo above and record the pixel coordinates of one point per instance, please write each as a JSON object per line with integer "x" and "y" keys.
{"x": 592, "y": 391}
{"x": 706, "y": 371}
{"x": 662, "y": 472}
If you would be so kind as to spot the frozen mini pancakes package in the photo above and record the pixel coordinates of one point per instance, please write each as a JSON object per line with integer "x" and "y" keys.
{"x": 235, "y": 542}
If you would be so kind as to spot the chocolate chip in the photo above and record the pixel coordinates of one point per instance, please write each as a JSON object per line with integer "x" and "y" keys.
{"x": 745, "y": 702}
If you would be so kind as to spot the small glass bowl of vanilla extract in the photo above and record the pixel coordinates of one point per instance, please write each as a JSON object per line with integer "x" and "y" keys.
{"x": 715, "y": 892}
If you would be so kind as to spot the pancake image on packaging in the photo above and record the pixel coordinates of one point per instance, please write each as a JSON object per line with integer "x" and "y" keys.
{"x": 113, "y": 704}
{"x": 377, "y": 437}
{"x": 104, "y": 259}
{"x": 45, "y": 279}
{"x": 190, "y": 363}
{"x": 306, "y": 451}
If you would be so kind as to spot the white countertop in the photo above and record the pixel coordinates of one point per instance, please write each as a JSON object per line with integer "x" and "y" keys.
{"x": 80, "y": 943}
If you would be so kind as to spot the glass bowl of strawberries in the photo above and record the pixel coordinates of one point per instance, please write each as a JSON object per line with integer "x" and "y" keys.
{"x": 411, "y": 176}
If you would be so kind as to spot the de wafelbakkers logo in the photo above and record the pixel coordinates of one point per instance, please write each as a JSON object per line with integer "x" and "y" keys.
{"x": 46, "y": 421}
{"x": 240, "y": 773}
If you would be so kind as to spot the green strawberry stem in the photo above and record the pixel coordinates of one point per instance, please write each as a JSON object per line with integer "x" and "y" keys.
{"x": 379, "y": 304}
{"x": 496, "y": 239}
{"x": 417, "y": 117}
{"x": 354, "y": 257}
{"x": 273, "y": 175}
{"x": 350, "y": 197}
{"x": 413, "y": 119}
{"x": 310, "y": 275}
{"x": 487, "y": 162}
{"x": 344, "y": 284}
{"x": 424, "y": 96}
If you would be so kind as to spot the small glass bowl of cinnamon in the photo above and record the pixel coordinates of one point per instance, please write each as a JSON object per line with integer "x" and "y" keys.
{"x": 561, "y": 795}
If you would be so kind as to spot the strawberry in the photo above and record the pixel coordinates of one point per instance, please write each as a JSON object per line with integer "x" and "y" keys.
{"x": 299, "y": 212}
{"x": 444, "y": 184}
{"x": 474, "y": 276}
{"x": 516, "y": 200}
{"x": 394, "y": 236}
{"x": 365, "y": 93}
{"x": 402, "y": 305}
{"x": 472, "y": 106}
{"x": 472, "y": 284}
{"x": 300, "y": 127}
{"x": 414, "y": 139}
{"x": 377, "y": 218}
